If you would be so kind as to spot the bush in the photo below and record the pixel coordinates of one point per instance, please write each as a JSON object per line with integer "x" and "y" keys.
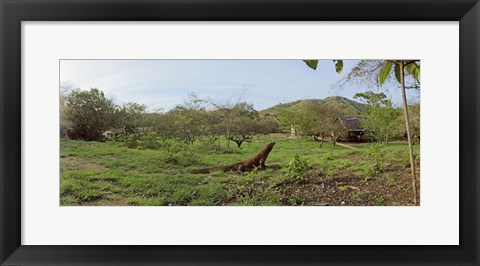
{"x": 372, "y": 171}
{"x": 179, "y": 153}
{"x": 149, "y": 140}
{"x": 143, "y": 140}
{"x": 375, "y": 152}
{"x": 405, "y": 160}
{"x": 297, "y": 167}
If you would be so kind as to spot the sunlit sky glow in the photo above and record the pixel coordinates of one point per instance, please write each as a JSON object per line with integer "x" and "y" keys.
{"x": 166, "y": 83}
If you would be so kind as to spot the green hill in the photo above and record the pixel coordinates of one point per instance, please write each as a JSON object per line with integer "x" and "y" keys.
{"x": 341, "y": 105}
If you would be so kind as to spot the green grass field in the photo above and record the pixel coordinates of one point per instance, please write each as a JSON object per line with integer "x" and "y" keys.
{"x": 110, "y": 173}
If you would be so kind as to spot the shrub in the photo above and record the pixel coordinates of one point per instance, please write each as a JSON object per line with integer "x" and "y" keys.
{"x": 372, "y": 171}
{"x": 405, "y": 160}
{"x": 297, "y": 167}
{"x": 178, "y": 153}
{"x": 376, "y": 153}
{"x": 149, "y": 140}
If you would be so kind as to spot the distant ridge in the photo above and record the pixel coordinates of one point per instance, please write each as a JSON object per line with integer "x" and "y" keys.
{"x": 342, "y": 105}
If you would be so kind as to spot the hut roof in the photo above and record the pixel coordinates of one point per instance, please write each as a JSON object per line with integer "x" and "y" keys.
{"x": 350, "y": 123}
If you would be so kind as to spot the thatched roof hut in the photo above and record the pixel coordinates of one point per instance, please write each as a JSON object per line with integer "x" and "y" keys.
{"x": 349, "y": 128}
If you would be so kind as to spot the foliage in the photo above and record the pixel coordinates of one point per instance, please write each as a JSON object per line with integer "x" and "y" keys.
{"x": 378, "y": 116}
{"x": 375, "y": 152}
{"x": 314, "y": 63}
{"x": 89, "y": 112}
{"x": 378, "y": 74}
{"x": 130, "y": 117}
{"x": 90, "y": 115}
{"x": 372, "y": 171}
{"x": 297, "y": 167}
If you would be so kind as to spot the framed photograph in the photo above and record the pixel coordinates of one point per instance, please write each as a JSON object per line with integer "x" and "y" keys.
{"x": 239, "y": 132}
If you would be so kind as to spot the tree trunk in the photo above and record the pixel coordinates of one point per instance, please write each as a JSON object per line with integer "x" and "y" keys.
{"x": 228, "y": 131}
{"x": 239, "y": 143}
{"x": 409, "y": 136}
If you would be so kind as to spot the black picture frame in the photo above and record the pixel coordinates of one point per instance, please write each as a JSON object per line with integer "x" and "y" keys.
{"x": 13, "y": 12}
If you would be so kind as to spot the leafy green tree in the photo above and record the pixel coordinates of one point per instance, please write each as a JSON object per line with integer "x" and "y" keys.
{"x": 90, "y": 113}
{"x": 131, "y": 117}
{"x": 212, "y": 127}
{"x": 162, "y": 124}
{"x": 323, "y": 118}
{"x": 378, "y": 116}
{"x": 310, "y": 120}
{"x": 306, "y": 122}
{"x": 185, "y": 123}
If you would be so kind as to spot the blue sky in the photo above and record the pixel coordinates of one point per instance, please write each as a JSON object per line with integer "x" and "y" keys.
{"x": 166, "y": 83}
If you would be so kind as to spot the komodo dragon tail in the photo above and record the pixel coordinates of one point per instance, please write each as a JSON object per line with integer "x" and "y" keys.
{"x": 212, "y": 169}
{"x": 245, "y": 165}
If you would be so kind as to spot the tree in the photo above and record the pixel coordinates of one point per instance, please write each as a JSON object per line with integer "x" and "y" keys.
{"x": 90, "y": 113}
{"x": 244, "y": 124}
{"x": 131, "y": 117}
{"x": 382, "y": 69}
{"x": 65, "y": 125}
{"x": 213, "y": 128}
{"x": 229, "y": 110}
{"x": 309, "y": 120}
{"x": 324, "y": 117}
{"x": 307, "y": 124}
{"x": 378, "y": 116}
{"x": 243, "y": 128}
{"x": 186, "y": 122}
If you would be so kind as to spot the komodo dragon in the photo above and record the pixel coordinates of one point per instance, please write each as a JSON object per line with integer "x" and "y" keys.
{"x": 242, "y": 166}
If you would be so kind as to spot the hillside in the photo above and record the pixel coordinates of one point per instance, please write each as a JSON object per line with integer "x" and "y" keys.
{"x": 342, "y": 105}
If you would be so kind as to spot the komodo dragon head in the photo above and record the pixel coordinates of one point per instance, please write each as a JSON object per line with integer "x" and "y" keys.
{"x": 268, "y": 148}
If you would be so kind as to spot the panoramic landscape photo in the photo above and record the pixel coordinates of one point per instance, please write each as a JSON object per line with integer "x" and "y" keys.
{"x": 240, "y": 132}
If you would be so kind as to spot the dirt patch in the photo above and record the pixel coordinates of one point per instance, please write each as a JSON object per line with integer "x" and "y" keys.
{"x": 351, "y": 190}
{"x": 392, "y": 187}
{"x": 76, "y": 163}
